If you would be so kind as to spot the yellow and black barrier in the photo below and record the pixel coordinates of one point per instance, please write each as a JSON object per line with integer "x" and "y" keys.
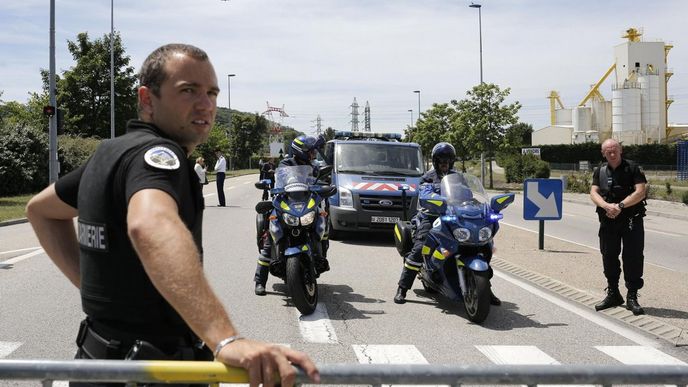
{"x": 133, "y": 372}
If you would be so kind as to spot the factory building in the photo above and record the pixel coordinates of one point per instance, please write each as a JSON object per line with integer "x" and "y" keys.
{"x": 638, "y": 110}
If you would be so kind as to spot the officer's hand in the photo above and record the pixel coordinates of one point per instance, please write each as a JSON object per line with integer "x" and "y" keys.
{"x": 264, "y": 362}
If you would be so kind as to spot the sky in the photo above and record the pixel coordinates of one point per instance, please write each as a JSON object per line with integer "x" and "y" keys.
{"x": 313, "y": 57}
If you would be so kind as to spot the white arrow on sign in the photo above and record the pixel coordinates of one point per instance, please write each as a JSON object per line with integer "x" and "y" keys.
{"x": 547, "y": 205}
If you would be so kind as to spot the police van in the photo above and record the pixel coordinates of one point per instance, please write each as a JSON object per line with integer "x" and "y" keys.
{"x": 375, "y": 175}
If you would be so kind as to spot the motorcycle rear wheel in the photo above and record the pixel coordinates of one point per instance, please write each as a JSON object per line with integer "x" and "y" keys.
{"x": 477, "y": 299}
{"x": 302, "y": 288}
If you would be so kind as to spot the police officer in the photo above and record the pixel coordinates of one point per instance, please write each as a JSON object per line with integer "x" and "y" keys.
{"x": 303, "y": 151}
{"x": 618, "y": 190}
{"x": 443, "y": 158}
{"x": 136, "y": 258}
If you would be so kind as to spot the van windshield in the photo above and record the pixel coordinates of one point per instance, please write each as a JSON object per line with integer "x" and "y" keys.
{"x": 378, "y": 159}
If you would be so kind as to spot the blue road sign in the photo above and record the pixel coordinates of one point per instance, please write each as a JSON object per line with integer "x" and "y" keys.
{"x": 542, "y": 199}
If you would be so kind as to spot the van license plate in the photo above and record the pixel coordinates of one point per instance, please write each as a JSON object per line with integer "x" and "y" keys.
{"x": 384, "y": 219}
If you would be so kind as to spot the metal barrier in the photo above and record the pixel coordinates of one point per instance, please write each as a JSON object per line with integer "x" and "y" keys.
{"x": 133, "y": 372}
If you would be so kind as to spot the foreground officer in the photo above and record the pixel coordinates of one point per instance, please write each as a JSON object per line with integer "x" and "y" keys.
{"x": 618, "y": 190}
{"x": 136, "y": 257}
{"x": 303, "y": 149}
{"x": 443, "y": 158}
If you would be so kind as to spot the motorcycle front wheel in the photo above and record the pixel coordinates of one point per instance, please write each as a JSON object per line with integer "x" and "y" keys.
{"x": 477, "y": 298}
{"x": 303, "y": 288}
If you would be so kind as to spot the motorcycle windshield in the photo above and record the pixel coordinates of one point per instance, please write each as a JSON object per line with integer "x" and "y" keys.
{"x": 294, "y": 178}
{"x": 463, "y": 189}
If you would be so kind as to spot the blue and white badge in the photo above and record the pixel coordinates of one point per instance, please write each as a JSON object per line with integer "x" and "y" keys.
{"x": 162, "y": 158}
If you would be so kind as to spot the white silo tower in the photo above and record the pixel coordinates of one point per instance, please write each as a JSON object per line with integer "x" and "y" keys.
{"x": 639, "y": 93}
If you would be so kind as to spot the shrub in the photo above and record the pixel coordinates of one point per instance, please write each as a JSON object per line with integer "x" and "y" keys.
{"x": 668, "y": 188}
{"x": 684, "y": 197}
{"x": 517, "y": 168}
{"x": 73, "y": 151}
{"x": 23, "y": 160}
{"x": 579, "y": 183}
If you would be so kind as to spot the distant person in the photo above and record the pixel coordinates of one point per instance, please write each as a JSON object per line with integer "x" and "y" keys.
{"x": 618, "y": 190}
{"x": 268, "y": 172}
{"x": 260, "y": 169}
{"x": 220, "y": 168}
{"x": 136, "y": 257}
{"x": 201, "y": 169}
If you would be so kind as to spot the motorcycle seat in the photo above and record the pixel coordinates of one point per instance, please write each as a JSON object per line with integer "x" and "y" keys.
{"x": 264, "y": 207}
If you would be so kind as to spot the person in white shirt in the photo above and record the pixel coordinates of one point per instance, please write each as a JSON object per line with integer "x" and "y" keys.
{"x": 201, "y": 169}
{"x": 220, "y": 168}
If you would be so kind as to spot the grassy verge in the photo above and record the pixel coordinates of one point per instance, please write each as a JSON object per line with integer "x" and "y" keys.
{"x": 12, "y": 207}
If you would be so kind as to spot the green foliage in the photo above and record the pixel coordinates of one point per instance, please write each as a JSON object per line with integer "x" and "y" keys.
{"x": 579, "y": 182}
{"x": 329, "y": 133}
{"x": 517, "y": 136}
{"x": 73, "y": 151}
{"x": 517, "y": 168}
{"x": 84, "y": 90}
{"x": 246, "y": 137}
{"x": 217, "y": 139}
{"x": 23, "y": 160}
{"x": 646, "y": 154}
{"x": 684, "y": 197}
{"x": 668, "y": 188}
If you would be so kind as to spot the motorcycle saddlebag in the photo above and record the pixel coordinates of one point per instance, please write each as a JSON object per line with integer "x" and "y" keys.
{"x": 403, "y": 237}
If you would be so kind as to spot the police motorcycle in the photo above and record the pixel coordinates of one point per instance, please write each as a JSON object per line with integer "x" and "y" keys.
{"x": 296, "y": 221}
{"x": 458, "y": 249}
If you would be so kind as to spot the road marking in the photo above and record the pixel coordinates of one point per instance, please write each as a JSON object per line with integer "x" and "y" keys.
{"x": 579, "y": 244}
{"x": 316, "y": 327}
{"x": 516, "y": 354}
{"x": 20, "y": 258}
{"x": 7, "y": 347}
{"x": 639, "y": 355}
{"x": 585, "y": 313}
{"x": 520, "y": 355}
{"x": 18, "y": 250}
{"x": 389, "y": 354}
{"x": 664, "y": 233}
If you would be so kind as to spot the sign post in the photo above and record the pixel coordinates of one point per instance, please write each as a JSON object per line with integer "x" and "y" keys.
{"x": 542, "y": 200}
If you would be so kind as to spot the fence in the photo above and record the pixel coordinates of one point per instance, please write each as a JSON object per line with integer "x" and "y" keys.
{"x": 133, "y": 372}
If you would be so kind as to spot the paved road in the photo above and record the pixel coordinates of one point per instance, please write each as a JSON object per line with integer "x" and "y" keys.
{"x": 356, "y": 321}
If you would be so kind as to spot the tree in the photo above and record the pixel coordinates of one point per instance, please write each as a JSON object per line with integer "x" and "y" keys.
{"x": 84, "y": 90}
{"x": 246, "y": 137}
{"x": 329, "y": 133}
{"x": 434, "y": 127}
{"x": 484, "y": 112}
{"x": 518, "y": 135}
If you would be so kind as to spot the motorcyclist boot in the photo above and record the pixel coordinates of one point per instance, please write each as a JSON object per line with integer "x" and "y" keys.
{"x": 612, "y": 299}
{"x": 632, "y": 303}
{"x": 494, "y": 300}
{"x": 400, "y": 297}
{"x": 260, "y": 289}
{"x": 322, "y": 264}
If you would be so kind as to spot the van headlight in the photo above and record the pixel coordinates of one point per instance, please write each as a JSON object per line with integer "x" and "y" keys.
{"x": 485, "y": 234}
{"x": 461, "y": 234}
{"x": 308, "y": 218}
{"x": 345, "y": 197}
{"x": 290, "y": 219}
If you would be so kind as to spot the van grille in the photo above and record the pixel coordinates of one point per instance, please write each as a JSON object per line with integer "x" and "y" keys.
{"x": 385, "y": 203}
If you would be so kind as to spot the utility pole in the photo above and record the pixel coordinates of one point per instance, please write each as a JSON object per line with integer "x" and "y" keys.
{"x": 354, "y": 116}
{"x": 112, "y": 68}
{"x": 53, "y": 163}
{"x": 366, "y": 117}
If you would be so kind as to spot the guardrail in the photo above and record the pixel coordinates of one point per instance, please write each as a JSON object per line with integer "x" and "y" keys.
{"x": 133, "y": 372}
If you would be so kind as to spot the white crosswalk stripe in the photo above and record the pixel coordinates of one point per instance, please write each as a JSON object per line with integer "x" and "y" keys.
{"x": 518, "y": 355}
{"x": 389, "y": 354}
{"x": 639, "y": 355}
{"x": 316, "y": 327}
{"x": 7, "y": 347}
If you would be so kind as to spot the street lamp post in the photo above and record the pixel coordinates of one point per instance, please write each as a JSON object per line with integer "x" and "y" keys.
{"x": 112, "y": 69}
{"x": 418, "y": 91}
{"x": 229, "y": 110}
{"x": 411, "y": 111}
{"x": 480, "y": 34}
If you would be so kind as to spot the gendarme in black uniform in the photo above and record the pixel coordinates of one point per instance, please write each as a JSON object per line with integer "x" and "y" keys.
{"x": 626, "y": 228}
{"x": 119, "y": 299}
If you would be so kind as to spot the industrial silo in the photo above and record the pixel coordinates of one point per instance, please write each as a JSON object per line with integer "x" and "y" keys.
{"x": 650, "y": 107}
{"x": 626, "y": 112}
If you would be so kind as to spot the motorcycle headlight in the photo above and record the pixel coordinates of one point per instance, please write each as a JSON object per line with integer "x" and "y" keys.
{"x": 345, "y": 197}
{"x": 308, "y": 218}
{"x": 485, "y": 234}
{"x": 461, "y": 234}
{"x": 290, "y": 220}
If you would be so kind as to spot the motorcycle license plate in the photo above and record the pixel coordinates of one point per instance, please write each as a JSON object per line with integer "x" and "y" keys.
{"x": 384, "y": 219}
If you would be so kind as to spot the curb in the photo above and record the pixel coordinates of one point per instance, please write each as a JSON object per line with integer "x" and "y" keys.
{"x": 13, "y": 222}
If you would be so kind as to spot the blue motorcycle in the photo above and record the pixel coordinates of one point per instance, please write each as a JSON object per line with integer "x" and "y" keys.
{"x": 296, "y": 222}
{"x": 458, "y": 249}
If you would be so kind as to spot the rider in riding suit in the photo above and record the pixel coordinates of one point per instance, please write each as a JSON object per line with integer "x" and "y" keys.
{"x": 303, "y": 149}
{"x": 443, "y": 158}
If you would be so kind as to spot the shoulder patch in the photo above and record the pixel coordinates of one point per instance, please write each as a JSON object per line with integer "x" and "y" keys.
{"x": 162, "y": 158}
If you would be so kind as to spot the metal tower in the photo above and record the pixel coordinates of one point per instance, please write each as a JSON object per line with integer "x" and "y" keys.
{"x": 275, "y": 128}
{"x": 354, "y": 116}
{"x": 366, "y": 117}
{"x": 318, "y": 125}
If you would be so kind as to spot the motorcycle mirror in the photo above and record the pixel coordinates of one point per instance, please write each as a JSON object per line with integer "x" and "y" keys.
{"x": 329, "y": 191}
{"x": 324, "y": 171}
{"x": 263, "y": 184}
{"x": 500, "y": 202}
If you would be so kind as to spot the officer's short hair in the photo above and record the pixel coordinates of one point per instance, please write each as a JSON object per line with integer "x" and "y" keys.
{"x": 153, "y": 74}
